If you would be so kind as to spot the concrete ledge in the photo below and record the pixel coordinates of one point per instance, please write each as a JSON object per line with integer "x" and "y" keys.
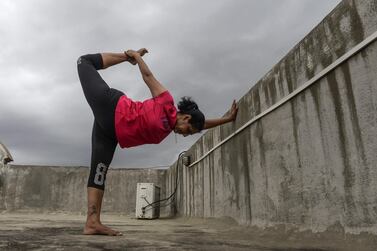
{"x": 52, "y": 188}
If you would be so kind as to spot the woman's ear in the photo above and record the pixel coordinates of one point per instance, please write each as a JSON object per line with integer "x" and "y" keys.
{"x": 187, "y": 117}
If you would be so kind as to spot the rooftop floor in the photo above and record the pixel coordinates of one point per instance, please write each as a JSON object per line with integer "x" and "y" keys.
{"x": 60, "y": 231}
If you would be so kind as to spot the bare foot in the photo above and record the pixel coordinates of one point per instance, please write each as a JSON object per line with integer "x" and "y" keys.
{"x": 141, "y": 51}
{"x": 98, "y": 228}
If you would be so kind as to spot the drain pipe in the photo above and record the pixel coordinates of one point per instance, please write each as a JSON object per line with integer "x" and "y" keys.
{"x": 310, "y": 82}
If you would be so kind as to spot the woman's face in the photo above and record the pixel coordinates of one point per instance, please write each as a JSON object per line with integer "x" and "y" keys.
{"x": 183, "y": 125}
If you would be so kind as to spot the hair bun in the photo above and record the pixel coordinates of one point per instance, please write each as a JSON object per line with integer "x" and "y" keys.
{"x": 187, "y": 104}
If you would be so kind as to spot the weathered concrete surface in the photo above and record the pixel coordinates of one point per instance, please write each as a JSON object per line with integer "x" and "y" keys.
{"x": 5, "y": 155}
{"x": 63, "y": 232}
{"x": 44, "y": 188}
{"x": 312, "y": 162}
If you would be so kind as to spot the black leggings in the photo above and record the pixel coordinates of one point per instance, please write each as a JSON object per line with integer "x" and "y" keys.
{"x": 102, "y": 100}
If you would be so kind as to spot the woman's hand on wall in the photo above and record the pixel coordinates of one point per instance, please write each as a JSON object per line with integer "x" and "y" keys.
{"x": 233, "y": 111}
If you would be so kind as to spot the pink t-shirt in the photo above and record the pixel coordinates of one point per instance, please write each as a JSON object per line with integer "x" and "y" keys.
{"x": 147, "y": 122}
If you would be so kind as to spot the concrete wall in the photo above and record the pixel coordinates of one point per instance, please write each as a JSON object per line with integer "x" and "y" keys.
{"x": 311, "y": 163}
{"x": 45, "y": 188}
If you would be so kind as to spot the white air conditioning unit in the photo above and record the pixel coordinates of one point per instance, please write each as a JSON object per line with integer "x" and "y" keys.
{"x": 146, "y": 195}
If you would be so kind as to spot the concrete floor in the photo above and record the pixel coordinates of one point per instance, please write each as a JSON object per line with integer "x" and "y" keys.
{"x": 59, "y": 231}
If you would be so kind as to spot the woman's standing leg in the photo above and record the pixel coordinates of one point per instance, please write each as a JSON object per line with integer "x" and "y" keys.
{"x": 103, "y": 149}
{"x": 102, "y": 100}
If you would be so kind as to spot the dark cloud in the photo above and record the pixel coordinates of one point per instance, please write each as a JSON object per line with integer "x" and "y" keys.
{"x": 213, "y": 51}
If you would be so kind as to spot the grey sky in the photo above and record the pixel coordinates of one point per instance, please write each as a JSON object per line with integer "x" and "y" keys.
{"x": 212, "y": 50}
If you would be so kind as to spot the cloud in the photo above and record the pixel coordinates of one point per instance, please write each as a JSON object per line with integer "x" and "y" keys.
{"x": 213, "y": 51}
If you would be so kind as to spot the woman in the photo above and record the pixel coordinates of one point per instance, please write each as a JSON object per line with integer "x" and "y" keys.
{"x": 118, "y": 119}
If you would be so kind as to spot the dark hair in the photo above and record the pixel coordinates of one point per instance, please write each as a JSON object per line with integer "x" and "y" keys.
{"x": 188, "y": 106}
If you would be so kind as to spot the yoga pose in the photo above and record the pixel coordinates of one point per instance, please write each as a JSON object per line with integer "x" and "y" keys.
{"x": 118, "y": 119}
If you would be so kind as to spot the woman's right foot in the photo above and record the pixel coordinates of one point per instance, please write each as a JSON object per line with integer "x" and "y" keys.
{"x": 98, "y": 228}
{"x": 141, "y": 51}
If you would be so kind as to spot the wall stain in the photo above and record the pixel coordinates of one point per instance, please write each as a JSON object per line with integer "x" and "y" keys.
{"x": 310, "y": 47}
{"x": 357, "y": 29}
{"x": 349, "y": 175}
{"x": 295, "y": 125}
{"x": 233, "y": 150}
{"x": 325, "y": 57}
{"x": 180, "y": 187}
{"x": 363, "y": 166}
{"x": 284, "y": 191}
{"x": 280, "y": 84}
{"x": 244, "y": 112}
{"x": 259, "y": 135}
{"x": 212, "y": 184}
{"x": 256, "y": 102}
{"x": 225, "y": 156}
{"x": 337, "y": 37}
{"x": 269, "y": 90}
{"x": 272, "y": 90}
{"x": 202, "y": 183}
{"x": 315, "y": 92}
{"x": 284, "y": 196}
{"x": 266, "y": 95}
{"x": 208, "y": 140}
{"x": 197, "y": 196}
{"x": 300, "y": 194}
{"x": 191, "y": 189}
{"x": 245, "y": 145}
{"x": 373, "y": 6}
{"x": 288, "y": 77}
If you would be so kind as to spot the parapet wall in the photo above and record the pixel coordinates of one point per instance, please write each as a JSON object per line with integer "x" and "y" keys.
{"x": 312, "y": 162}
{"x": 47, "y": 188}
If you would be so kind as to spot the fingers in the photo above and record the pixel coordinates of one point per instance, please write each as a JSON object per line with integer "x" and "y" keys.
{"x": 234, "y": 105}
{"x": 144, "y": 50}
{"x": 234, "y": 110}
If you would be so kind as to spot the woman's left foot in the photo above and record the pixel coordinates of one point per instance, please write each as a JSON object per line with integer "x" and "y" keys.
{"x": 141, "y": 51}
{"x": 98, "y": 228}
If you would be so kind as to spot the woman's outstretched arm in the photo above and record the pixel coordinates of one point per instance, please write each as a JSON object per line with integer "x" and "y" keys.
{"x": 209, "y": 123}
{"x": 153, "y": 84}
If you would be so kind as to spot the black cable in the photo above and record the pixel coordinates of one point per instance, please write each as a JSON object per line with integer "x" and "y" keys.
{"x": 176, "y": 184}
{"x": 175, "y": 189}
{"x": 158, "y": 206}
